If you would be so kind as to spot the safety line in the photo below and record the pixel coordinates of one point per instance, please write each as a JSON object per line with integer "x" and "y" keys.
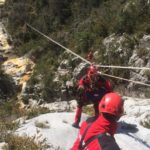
{"x": 137, "y": 82}
{"x": 124, "y": 67}
{"x": 59, "y": 44}
{"x": 103, "y": 66}
{"x": 88, "y": 62}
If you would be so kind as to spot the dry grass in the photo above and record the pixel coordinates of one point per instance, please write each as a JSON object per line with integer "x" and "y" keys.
{"x": 15, "y": 142}
{"x": 89, "y": 110}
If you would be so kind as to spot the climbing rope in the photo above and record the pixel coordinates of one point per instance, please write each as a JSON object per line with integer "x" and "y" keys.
{"x": 124, "y": 67}
{"x": 88, "y": 62}
{"x": 137, "y": 82}
{"x": 68, "y": 50}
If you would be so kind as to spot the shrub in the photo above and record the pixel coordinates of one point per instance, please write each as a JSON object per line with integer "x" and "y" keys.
{"x": 147, "y": 73}
{"x": 145, "y": 122}
{"x": 7, "y": 85}
{"x": 15, "y": 142}
{"x": 84, "y": 41}
{"x": 33, "y": 112}
{"x": 9, "y": 109}
{"x": 88, "y": 110}
{"x": 147, "y": 92}
{"x": 142, "y": 52}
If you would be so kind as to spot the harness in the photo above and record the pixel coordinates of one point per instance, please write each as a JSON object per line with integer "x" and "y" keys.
{"x": 107, "y": 142}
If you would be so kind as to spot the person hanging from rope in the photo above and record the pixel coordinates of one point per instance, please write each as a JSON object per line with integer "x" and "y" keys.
{"x": 90, "y": 55}
{"x": 99, "y": 134}
{"x": 91, "y": 88}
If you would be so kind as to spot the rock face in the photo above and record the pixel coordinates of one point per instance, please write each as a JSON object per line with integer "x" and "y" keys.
{"x": 140, "y": 58}
{"x": 129, "y": 52}
{"x": 139, "y": 108}
{"x": 7, "y": 86}
{"x": 118, "y": 46}
{"x": 58, "y": 127}
{"x": 5, "y": 48}
{"x": 19, "y": 69}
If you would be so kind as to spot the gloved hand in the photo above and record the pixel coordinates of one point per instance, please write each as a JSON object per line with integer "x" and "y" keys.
{"x": 81, "y": 90}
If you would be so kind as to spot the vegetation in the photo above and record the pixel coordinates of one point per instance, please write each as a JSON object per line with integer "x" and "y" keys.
{"x": 77, "y": 24}
{"x": 9, "y": 112}
{"x": 80, "y": 25}
{"x": 145, "y": 123}
{"x": 7, "y": 86}
{"x": 33, "y": 112}
{"x": 25, "y": 143}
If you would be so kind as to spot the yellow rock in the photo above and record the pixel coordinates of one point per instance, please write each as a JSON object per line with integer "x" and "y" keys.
{"x": 20, "y": 68}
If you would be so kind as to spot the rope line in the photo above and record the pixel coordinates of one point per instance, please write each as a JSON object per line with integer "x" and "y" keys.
{"x": 137, "y": 82}
{"x": 103, "y": 66}
{"x": 124, "y": 67}
{"x": 88, "y": 62}
{"x": 68, "y": 50}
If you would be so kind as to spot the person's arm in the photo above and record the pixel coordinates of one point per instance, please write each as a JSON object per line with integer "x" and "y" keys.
{"x": 108, "y": 85}
{"x": 77, "y": 141}
{"x": 81, "y": 87}
{"x": 102, "y": 82}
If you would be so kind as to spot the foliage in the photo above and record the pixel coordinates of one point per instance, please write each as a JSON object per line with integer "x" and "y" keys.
{"x": 8, "y": 113}
{"x": 46, "y": 15}
{"x": 131, "y": 19}
{"x": 87, "y": 21}
{"x": 96, "y": 17}
{"x": 33, "y": 112}
{"x": 142, "y": 52}
{"x": 88, "y": 110}
{"x": 31, "y": 47}
{"x": 7, "y": 86}
{"x": 147, "y": 92}
{"x": 6, "y": 126}
{"x": 24, "y": 143}
{"x": 84, "y": 41}
{"x": 79, "y": 25}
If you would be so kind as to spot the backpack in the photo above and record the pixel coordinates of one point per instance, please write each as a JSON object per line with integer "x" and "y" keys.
{"x": 107, "y": 142}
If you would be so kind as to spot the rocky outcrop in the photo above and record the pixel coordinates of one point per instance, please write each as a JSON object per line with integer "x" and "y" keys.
{"x": 119, "y": 47}
{"x": 19, "y": 69}
{"x": 140, "y": 58}
{"x": 140, "y": 108}
{"x": 129, "y": 51}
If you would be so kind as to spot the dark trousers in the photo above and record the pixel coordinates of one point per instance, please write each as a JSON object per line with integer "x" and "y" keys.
{"x": 89, "y": 97}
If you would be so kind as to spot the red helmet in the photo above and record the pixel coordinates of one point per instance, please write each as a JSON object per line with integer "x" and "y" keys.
{"x": 92, "y": 71}
{"x": 111, "y": 103}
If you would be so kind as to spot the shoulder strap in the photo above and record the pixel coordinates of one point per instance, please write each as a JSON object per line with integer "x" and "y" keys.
{"x": 107, "y": 142}
{"x": 82, "y": 138}
{"x": 90, "y": 140}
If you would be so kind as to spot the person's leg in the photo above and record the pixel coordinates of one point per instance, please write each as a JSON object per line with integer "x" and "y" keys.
{"x": 95, "y": 106}
{"x": 78, "y": 115}
{"x": 97, "y": 96}
{"x": 82, "y": 100}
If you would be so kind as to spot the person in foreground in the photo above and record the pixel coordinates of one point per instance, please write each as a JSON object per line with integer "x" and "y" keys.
{"x": 91, "y": 88}
{"x": 98, "y": 134}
